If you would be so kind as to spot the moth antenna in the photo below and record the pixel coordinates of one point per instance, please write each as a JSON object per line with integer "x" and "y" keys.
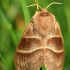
{"x": 31, "y": 5}
{"x": 35, "y": 5}
{"x": 53, "y": 3}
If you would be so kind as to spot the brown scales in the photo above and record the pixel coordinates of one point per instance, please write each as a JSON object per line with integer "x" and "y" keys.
{"x": 40, "y": 44}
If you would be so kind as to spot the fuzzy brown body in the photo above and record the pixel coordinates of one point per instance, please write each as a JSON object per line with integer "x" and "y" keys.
{"x": 40, "y": 44}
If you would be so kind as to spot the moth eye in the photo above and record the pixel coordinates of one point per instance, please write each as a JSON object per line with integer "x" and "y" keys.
{"x": 44, "y": 14}
{"x": 55, "y": 43}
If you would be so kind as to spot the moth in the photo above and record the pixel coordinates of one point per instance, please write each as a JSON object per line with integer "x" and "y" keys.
{"x": 41, "y": 43}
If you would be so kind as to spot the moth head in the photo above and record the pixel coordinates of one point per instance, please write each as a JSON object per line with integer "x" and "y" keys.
{"x": 44, "y": 13}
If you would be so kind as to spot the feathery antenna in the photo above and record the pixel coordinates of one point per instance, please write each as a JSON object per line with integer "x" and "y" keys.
{"x": 53, "y": 3}
{"x": 40, "y": 7}
{"x": 35, "y": 5}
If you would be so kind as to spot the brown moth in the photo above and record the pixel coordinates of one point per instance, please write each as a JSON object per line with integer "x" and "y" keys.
{"x": 41, "y": 43}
